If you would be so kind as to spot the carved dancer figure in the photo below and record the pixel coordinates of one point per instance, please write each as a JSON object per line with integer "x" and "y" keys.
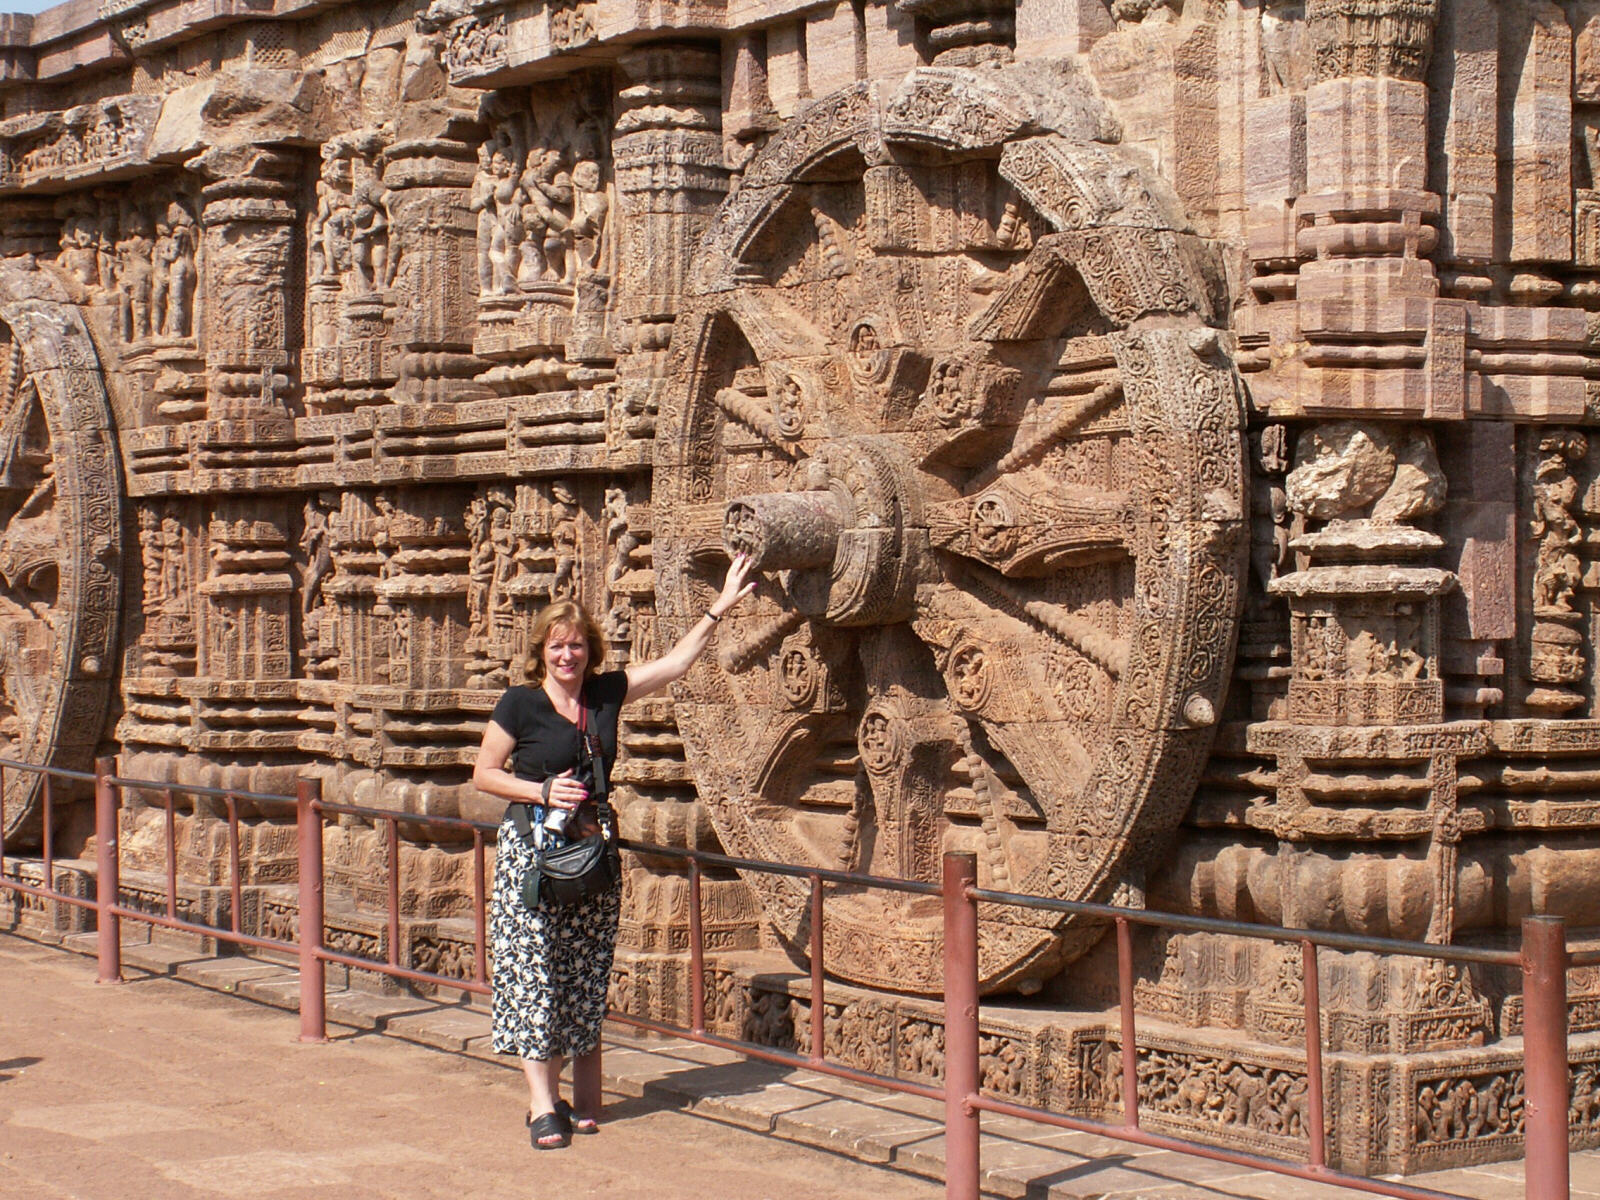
{"x": 480, "y": 567}
{"x": 330, "y": 224}
{"x": 178, "y": 320}
{"x": 546, "y": 217}
{"x": 481, "y": 201}
{"x": 503, "y": 546}
{"x": 564, "y": 533}
{"x": 174, "y": 564}
{"x": 1558, "y": 571}
{"x": 369, "y": 239}
{"x": 506, "y": 235}
{"x": 160, "y": 274}
{"x": 150, "y": 556}
{"x": 136, "y": 274}
{"x": 78, "y": 254}
{"x": 319, "y": 557}
{"x": 552, "y": 963}
{"x": 590, "y": 207}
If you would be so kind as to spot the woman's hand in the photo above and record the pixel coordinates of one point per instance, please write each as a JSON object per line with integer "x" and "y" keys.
{"x": 657, "y": 673}
{"x": 567, "y": 791}
{"x": 736, "y": 585}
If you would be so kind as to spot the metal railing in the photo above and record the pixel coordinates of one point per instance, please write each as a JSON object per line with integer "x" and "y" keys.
{"x": 1543, "y": 960}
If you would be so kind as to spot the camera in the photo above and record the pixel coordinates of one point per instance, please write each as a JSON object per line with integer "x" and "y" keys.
{"x": 556, "y": 819}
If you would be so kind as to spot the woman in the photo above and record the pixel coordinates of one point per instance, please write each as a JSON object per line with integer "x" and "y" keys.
{"x": 552, "y": 963}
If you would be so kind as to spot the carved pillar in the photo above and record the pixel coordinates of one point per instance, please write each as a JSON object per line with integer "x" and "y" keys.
{"x": 670, "y": 173}
{"x": 248, "y": 220}
{"x": 1366, "y": 636}
{"x": 1366, "y": 201}
{"x": 246, "y": 599}
{"x": 670, "y": 177}
{"x": 435, "y": 240}
{"x": 965, "y": 33}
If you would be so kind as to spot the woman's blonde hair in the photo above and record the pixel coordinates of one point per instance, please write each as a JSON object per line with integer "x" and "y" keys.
{"x": 562, "y": 614}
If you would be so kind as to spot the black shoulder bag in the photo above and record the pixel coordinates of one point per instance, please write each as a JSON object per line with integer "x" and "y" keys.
{"x": 585, "y": 866}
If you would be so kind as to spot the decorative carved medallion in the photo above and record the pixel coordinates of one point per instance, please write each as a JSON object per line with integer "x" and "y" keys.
{"x": 950, "y": 375}
{"x": 61, "y": 526}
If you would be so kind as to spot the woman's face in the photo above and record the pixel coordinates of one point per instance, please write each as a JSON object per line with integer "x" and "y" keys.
{"x": 566, "y": 655}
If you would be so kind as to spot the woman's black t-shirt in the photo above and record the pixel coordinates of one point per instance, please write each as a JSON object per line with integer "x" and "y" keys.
{"x": 546, "y": 742}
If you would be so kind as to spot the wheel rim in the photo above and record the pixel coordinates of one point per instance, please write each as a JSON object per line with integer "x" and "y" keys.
{"x": 988, "y": 451}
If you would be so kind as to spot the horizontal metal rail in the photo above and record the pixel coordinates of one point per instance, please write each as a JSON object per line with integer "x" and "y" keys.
{"x": 1277, "y": 933}
{"x": 1543, "y": 959}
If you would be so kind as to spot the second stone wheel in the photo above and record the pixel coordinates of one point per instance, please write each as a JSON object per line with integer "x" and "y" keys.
{"x": 951, "y": 373}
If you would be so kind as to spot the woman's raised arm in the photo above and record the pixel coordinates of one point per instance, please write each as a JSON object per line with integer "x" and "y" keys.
{"x": 652, "y": 676}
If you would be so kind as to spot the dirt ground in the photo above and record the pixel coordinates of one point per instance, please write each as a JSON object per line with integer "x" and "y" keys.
{"x": 156, "y": 1090}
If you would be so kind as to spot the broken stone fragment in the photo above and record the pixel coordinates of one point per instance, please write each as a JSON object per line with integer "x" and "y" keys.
{"x": 1352, "y": 470}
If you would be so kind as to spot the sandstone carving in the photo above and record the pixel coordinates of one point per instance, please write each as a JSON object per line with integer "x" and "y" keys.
{"x": 1165, "y": 429}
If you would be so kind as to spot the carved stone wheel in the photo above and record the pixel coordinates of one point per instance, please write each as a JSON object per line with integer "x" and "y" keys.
{"x": 60, "y": 551}
{"x": 950, "y": 373}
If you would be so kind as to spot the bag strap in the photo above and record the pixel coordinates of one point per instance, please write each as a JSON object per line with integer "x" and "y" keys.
{"x": 602, "y": 783}
{"x": 524, "y": 826}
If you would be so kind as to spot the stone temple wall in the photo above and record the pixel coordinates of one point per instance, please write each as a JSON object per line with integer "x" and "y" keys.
{"x": 1162, "y": 426}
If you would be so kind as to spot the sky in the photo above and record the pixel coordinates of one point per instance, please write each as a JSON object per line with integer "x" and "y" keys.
{"x": 26, "y": 6}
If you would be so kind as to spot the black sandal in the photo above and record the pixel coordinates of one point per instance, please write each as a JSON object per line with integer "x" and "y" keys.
{"x": 550, "y": 1125}
{"x": 575, "y": 1123}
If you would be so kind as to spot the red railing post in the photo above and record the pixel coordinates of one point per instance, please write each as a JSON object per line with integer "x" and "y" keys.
{"x": 697, "y": 953}
{"x": 480, "y": 924}
{"x": 588, "y": 1084}
{"x": 313, "y": 970}
{"x": 236, "y": 880}
{"x": 1130, "y": 1036}
{"x": 961, "y": 1128}
{"x": 394, "y": 892}
{"x": 172, "y": 854}
{"x": 49, "y": 864}
{"x": 107, "y": 881}
{"x": 1544, "y": 1048}
{"x": 1315, "y": 1109}
{"x": 819, "y": 1029}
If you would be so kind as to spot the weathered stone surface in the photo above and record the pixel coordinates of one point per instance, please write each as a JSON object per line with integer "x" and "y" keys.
{"x": 378, "y": 327}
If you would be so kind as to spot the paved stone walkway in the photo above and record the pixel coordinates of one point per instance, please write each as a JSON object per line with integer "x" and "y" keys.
{"x": 160, "y": 1089}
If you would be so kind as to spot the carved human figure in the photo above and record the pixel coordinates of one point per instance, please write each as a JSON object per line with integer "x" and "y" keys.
{"x": 318, "y": 557}
{"x": 160, "y": 273}
{"x": 480, "y": 566}
{"x": 1557, "y": 571}
{"x": 400, "y": 638}
{"x": 369, "y": 239}
{"x": 1269, "y": 502}
{"x": 229, "y": 642}
{"x": 174, "y": 563}
{"x": 1427, "y": 1114}
{"x": 618, "y": 625}
{"x": 422, "y": 73}
{"x": 105, "y": 249}
{"x": 503, "y": 546}
{"x": 546, "y": 217}
{"x": 79, "y": 256}
{"x": 623, "y": 541}
{"x": 330, "y": 224}
{"x": 150, "y": 556}
{"x": 506, "y": 234}
{"x": 481, "y": 201}
{"x": 136, "y": 273}
{"x": 564, "y": 534}
{"x": 590, "y": 207}
{"x": 178, "y": 259}
{"x": 1146, "y": 12}
{"x": 1283, "y": 45}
